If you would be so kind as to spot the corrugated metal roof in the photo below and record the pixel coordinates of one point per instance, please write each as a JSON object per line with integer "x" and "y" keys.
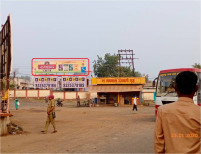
{"x": 114, "y": 88}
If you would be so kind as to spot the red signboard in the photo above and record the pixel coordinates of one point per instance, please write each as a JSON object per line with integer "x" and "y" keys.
{"x": 46, "y": 66}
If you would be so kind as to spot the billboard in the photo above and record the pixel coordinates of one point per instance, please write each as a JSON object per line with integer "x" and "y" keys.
{"x": 42, "y": 82}
{"x": 60, "y": 66}
{"x": 73, "y": 82}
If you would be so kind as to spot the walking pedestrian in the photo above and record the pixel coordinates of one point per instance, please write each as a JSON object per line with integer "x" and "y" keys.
{"x": 178, "y": 124}
{"x": 90, "y": 102}
{"x": 17, "y": 103}
{"x": 135, "y": 103}
{"x": 50, "y": 114}
{"x": 78, "y": 101}
{"x": 46, "y": 99}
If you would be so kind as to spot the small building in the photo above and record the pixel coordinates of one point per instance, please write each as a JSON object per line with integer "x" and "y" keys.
{"x": 148, "y": 92}
{"x": 119, "y": 90}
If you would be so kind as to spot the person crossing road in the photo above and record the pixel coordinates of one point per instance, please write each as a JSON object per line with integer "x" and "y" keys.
{"x": 50, "y": 115}
{"x": 135, "y": 104}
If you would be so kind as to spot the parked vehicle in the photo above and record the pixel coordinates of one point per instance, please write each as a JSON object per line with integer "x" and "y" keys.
{"x": 59, "y": 102}
{"x": 165, "y": 92}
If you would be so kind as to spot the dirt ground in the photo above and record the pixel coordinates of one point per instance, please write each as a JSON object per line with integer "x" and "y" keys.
{"x": 81, "y": 130}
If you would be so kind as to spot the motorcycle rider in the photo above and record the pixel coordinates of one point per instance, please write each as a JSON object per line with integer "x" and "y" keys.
{"x": 59, "y": 102}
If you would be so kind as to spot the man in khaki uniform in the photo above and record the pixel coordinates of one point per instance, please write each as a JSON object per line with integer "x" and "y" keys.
{"x": 178, "y": 124}
{"x": 50, "y": 118}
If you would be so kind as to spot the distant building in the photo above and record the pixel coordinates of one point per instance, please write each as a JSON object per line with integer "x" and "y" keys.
{"x": 148, "y": 92}
{"x": 22, "y": 83}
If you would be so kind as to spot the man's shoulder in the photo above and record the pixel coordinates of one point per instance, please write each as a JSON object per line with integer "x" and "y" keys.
{"x": 168, "y": 106}
{"x": 171, "y": 108}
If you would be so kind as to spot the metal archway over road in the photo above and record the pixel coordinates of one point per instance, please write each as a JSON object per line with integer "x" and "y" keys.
{"x": 5, "y": 70}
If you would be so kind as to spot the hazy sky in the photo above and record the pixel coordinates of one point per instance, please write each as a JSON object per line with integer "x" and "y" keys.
{"x": 163, "y": 34}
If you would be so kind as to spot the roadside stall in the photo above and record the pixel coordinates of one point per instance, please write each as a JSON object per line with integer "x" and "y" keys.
{"x": 120, "y": 90}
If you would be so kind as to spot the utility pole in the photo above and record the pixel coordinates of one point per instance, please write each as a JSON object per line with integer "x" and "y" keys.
{"x": 126, "y": 58}
{"x": 14, "y": 74}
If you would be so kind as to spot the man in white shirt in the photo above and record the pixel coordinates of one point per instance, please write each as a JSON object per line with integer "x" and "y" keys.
{"x": 135, "y": 104}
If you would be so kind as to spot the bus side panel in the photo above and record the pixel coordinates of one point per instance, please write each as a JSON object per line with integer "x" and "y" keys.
{"x": 158, "y": 103}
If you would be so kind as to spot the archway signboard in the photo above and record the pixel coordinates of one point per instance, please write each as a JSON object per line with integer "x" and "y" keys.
{"x": 5, "y": 64}
{"x": 5, "y": 70}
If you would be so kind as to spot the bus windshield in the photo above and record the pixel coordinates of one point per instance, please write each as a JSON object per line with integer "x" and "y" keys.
{"x": 166, "y": 84}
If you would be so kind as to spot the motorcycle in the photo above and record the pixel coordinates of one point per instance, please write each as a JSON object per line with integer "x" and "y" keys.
{"x": 59, "y": 103}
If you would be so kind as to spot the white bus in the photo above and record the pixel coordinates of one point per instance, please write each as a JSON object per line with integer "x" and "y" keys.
{"x": 165, "y": 92}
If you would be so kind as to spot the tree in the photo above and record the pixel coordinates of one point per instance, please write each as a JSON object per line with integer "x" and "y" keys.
{"x": 138, "y": 74}
{"x": 197, "y": 65}
{"x": 108, "y": 67}
{"x": 12, "y": 85}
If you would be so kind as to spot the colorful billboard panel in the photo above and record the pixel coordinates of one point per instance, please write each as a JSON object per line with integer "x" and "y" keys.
{"x": 73, "y": 82}
{"x": 60, "y": 66}
{"x": 42, "y": 82}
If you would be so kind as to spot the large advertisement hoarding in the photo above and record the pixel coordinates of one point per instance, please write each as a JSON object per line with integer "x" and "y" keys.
{"x": 73, "y": 82}
{"x": 42, "y": 82}
{"x": 60, "y": 66}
